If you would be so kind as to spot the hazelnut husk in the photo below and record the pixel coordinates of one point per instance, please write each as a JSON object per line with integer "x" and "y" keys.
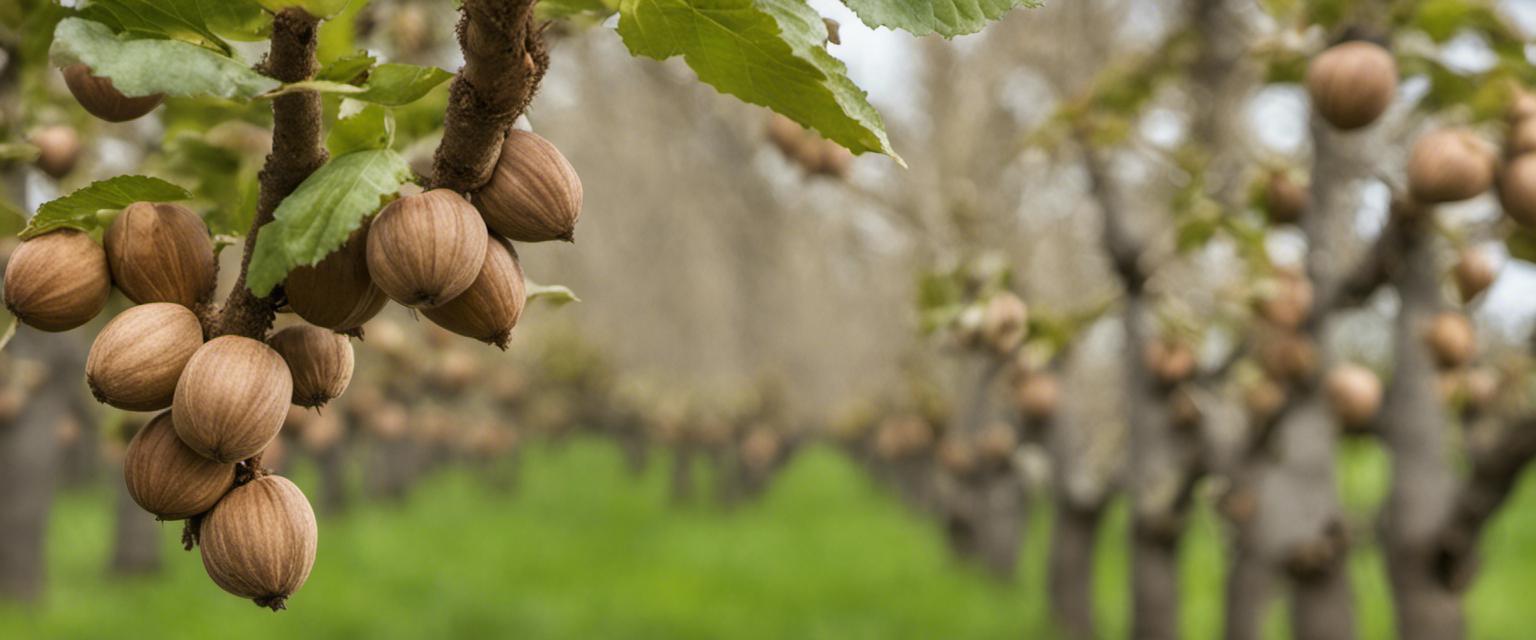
{"x": 1354, "y": 392}
{"x": 57, "y": 281}
{"x": 1449, "y": 165}
{"x": 337, "y": 293}
{"x": 1005, "y": 322}
{"x": 488, "y": 310}
{"x": 1451, "y": 339}
{"x": 534, "y": 194}
{"x": 167, "y": 478}
{"x": 426, "y": 249}
{"x": 138, "y": 357}
{"x": 161, "y": 253}
{"x": 259, "y": 541}
{"x": 1517, "y": 190}
{"x": 1475, "y": 271}
{"x": 232, "y": 398}
{"x": 103, "y": 100}
{"x": 1351, "y": 84}
{"x": 958, "y": 456}
{"x": 58, "y": 149}
{"x": 319, "y": 360}
{"x": 1284, "y": 199}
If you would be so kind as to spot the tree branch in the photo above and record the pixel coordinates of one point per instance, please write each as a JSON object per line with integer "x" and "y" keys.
{"x": 1123, "y": 250}
{"x": 297, "y": 152}
{"x": 504, "y": 61}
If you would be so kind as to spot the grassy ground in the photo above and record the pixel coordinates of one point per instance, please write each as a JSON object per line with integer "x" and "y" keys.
{"x": 584, "y": 551}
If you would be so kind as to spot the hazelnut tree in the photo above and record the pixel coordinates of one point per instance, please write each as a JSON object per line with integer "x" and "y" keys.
{"x": 335, "y": 222}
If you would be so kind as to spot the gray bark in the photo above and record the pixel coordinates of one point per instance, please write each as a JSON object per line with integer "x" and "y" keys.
{"x": 1299, "y": 525}
{"x": 1415, "y": 428}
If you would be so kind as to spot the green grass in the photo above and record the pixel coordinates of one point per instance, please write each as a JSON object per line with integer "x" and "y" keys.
{"x": 584, "y": 551}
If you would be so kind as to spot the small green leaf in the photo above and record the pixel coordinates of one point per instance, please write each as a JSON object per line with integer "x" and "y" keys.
{"x": 361, "y": 126}
{"x": 1522, "y": 244}
{"x": 317, "y": 217}
{"x": 948, "y": 18}
{"x": 146, "y": 67}
{"x": 391, "y": 85}
{"x": 78, "y": 210}
{"x": 561, "y": 9}
{"x": 554, "y": 294}
{"x": 766, "y": 52}
{"x": 347, "y": 68}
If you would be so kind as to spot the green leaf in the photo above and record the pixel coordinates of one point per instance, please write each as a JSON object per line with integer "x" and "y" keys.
{"x": 188, "y": 20}
{"x": 766, "y": 52}
{"x": 391, "y": 85}
{"x": 78, "y": 210}
{"x": 317, "y": 217}
{"x": 145, "y": 67}
{"x": 361, "y": 126}
{"x": 346, "y": 68}
{"x": 317, "y": 8}
{"x": 948, "y": 18}
{"x": 554, "y": 294}
{"x": 562, "y": 9}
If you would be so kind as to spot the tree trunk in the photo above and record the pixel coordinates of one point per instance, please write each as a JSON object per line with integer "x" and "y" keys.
{"x": 29, "y": 458}
{"x": 331, "y": 463}
{"x": 136, "y": 544}
{"x": 1299, "y": 525}
{"x": 1249, "y": 585}
{"x": 1002, "y": 523}
{"x": 682, "y": 474}
{"x": 1074, "y": 538}
{"x": 1414, "y": 425}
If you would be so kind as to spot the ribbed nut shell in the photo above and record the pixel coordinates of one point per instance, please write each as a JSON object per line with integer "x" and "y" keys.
{"x": 1352, "y": 84}
{"x": 57, "y": 281}
{"x": 103, "y": 100}
{"x": 232, "y": 398}
{"x": 161, "y": 253}
{"x": 1517, "y": 190}
{"x": 488, "y": 310}
{"x": 259, "y": 542}
{"x": 534, "y": 194}
{"x": 337, "y": 293}
{"x": 320, "y": 361}
{"x": 426, "y": 249}
{"x": 1449, "y": 165}
{"x": 138, "y": 357}
{"x": 167, "y": 478}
